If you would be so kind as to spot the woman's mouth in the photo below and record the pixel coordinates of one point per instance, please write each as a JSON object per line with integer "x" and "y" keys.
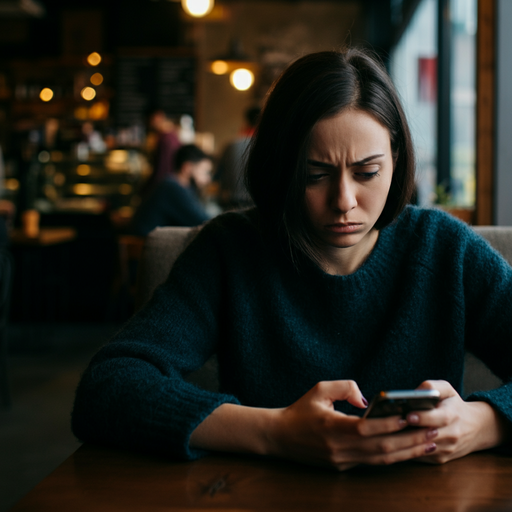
{"x": 344, "y": 227}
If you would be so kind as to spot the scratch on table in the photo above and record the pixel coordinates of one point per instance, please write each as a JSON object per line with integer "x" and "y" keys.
{"x": 218, "y": 485}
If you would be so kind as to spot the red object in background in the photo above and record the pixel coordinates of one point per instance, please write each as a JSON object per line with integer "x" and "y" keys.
{"x": 427, "y": 79}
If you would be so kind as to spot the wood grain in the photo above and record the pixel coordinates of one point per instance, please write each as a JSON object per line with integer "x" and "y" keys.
{"x": 99, "y": 479}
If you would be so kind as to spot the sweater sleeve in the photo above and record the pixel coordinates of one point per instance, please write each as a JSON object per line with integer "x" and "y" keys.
{"x": 133, "y": 394}
{"x": 488, "y": 294}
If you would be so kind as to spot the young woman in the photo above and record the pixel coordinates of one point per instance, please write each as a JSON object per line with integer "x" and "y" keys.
{"x": 330, "y": 290}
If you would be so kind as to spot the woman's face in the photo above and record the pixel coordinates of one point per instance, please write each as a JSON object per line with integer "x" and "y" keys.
{"x": 350, "y": 167}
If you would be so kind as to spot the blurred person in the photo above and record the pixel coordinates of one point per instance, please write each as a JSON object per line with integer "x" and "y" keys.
{"x": 232, "y": 190}
{"x": 167, "y": 145}
{"x": 93, "y": 138}
{"x": 175, "y": 201}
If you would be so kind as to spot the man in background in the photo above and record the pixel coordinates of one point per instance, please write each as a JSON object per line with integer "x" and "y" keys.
{"x": 174, "y": 201}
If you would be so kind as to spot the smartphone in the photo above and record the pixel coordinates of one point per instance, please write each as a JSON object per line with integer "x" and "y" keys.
{"x": 401, "y": 403}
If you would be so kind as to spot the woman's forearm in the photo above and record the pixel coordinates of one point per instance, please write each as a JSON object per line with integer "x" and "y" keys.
{"x": 235, "y": 428}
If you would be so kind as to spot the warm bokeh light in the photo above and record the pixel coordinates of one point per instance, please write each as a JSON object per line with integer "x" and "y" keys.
{"x": 197, "y": 8}
{"x": 97, "y": 79}
{"x": 12, "y": 184}
{"x": 94, "y": 59}
{"x": 50, "y": 192}
{"x": 44, "y": 157}
{"x": 82, "y": 189}
{"x": 88, "y": 93}
{"x": 219, "y": 67}
{"x": 99, "y": 110}
{"x": 241, "y": 79}
{"x": 59, "y": 179}
{"x": 83, "y": 170}
{"x": 46, "y": 94}
{"x": 81, "y": 113}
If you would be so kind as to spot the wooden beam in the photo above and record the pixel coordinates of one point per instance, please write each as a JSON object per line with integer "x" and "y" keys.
{"x": 485, "y": 111}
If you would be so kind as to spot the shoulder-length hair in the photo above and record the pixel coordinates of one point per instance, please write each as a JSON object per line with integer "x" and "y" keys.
{"x": 315, "y": 87}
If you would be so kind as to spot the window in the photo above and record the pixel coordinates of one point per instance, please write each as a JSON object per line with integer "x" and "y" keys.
{"x": 414, "y": 68}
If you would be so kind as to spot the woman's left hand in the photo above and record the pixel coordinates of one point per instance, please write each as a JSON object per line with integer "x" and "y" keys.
{"x": 463, "y": 427}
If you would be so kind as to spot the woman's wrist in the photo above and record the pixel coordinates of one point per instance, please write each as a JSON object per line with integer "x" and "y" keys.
{"x": 236, "y": 428}
{"x": 494, "y": 430}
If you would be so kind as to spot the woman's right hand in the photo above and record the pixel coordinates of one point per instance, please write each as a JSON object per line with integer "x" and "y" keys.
{"x": 313, "y": 432}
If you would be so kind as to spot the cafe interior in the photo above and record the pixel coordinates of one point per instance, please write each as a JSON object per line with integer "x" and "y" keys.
{"x": 78, "y": 83}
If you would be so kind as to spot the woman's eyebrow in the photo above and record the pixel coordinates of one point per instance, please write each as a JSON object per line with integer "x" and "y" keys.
{"x": 316, "y": 163}
{"x": 367, "y": 159}
{"x": 364, "y": 161}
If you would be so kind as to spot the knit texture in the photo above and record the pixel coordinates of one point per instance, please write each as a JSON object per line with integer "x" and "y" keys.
{"x": 430, "y": 289}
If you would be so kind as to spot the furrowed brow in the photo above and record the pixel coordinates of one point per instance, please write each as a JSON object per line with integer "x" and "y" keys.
{"x": 366, "y": 160}
{"x": 324, "y": 165}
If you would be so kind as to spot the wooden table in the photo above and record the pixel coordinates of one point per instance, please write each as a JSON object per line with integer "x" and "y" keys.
{"x": 97, "y": 479}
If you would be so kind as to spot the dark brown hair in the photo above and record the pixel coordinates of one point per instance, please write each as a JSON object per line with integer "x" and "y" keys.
{"x": 315, "y": 87}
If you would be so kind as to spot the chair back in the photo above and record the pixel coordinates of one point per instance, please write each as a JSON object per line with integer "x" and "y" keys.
{"x": 164, "y": 245}
{"x": 162, "y": 248}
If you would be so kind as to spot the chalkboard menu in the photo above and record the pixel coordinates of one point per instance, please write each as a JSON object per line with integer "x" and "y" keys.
{"x": 147, "y": 83}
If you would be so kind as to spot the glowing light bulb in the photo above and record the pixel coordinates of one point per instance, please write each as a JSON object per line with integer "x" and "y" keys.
{"x": 46, "y": 94}
{"x": 241, "y": 79}
{"x": 197, "y": 8}
{"x": 88, "y": 93}
{"x": 94, "y": 58}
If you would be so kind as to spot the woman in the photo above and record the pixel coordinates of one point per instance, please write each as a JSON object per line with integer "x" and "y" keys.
{"x": 330, "y": 290}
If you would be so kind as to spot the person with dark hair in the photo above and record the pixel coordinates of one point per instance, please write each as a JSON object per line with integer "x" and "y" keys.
{"x": 167, "y": 144}
{"x": 174, "y": 201}
{"x": 331, "y": 289}
{"x": 229, "y": 173}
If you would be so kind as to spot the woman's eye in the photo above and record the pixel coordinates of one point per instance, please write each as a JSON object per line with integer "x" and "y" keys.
{"x": 367, "y": 175}
{"x": 316, "y": 177}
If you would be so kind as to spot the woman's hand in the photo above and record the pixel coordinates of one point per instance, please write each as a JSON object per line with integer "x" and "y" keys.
{"x": 312, "y": 431}
{"x": 462, "y": 427}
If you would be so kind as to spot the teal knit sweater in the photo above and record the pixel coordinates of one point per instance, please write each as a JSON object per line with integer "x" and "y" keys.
{"x": 430, "y": 289}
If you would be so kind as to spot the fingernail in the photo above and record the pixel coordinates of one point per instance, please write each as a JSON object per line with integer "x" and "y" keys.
{"x": 413, "y": 418}
{"x": 431, "y": 448}
{"x": 431, "y": 433}
{"x": 402, "y": 422}
{"x": 365, "y": 402}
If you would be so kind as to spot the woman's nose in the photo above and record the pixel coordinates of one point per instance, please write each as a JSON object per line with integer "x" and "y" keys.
{"x": 344, "y": 195}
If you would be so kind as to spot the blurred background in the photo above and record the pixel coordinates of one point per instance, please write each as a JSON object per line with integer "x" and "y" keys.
{"x": 91, "y": 90}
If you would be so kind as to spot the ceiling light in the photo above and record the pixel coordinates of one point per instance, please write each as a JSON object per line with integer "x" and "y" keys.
{"x": 197, "y": 8}
{"x": 241, "y": 79}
